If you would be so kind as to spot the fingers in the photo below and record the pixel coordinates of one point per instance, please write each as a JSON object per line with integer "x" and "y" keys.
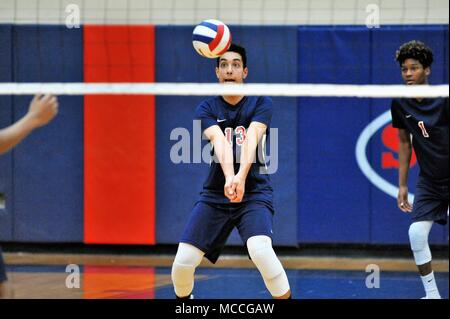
{"x": 405, "y": 206}
{"x": 234, "y": 189}
{"x": 43, "y": 108}
{"x": 230, "y": 193}
{"x": 36, "y": 98}
{"x": 239, "y": 194}
{"x": 44, "y": 99}
{"x": 230, "y": 190}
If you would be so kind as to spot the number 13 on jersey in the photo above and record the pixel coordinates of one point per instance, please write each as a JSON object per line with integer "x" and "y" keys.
{"x": 239, "y": 132}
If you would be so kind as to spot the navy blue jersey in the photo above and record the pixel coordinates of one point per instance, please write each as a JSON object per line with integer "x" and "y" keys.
{"x": 234, "y": 120}
{"x": 427, "y": 121}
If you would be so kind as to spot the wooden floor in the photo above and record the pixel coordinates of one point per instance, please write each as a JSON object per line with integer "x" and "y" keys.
{"x": 43, "y": 276}
{"x": 227, "y": 261}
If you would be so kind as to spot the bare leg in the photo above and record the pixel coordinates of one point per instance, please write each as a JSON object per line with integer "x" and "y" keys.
{"x": 425, "y": 269}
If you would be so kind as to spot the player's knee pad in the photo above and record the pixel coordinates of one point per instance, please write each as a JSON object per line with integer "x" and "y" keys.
{"x": 418, "y": 238}
{"x": 261, "y": 251}
{"x": 187, "y": 259}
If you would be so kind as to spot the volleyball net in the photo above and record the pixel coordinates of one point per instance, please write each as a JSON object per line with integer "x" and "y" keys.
{"x": 202, "y": 89}
{"x": 128, "y": 81}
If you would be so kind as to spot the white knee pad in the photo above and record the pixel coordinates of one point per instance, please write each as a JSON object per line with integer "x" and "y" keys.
{"x": 261, "y": 251}
{"x": 418, "y": 237}
{"x": 187, "y": 259}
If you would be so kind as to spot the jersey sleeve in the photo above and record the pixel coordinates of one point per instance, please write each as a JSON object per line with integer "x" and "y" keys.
{"x": 396, "y": 115}
{"x": 204, "y": 113}
{"x": 263, "y": 111}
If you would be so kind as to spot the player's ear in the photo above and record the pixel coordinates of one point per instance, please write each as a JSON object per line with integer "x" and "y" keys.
{"x": 245, "y": 73}
{"x": 217, "y": 72}
{"x": 427, "y": 71}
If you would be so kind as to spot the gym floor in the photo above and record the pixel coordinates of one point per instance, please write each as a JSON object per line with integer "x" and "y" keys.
{"x": 119, "y": 276}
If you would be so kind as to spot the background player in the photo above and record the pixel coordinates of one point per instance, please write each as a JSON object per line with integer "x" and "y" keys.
{"x": 43, "y": 108}
{"x": 427, "y": 121}
{"x": 234, "y": 194}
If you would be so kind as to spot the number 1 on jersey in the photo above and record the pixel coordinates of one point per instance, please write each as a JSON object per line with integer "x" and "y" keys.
{"x": 229, "y": 135}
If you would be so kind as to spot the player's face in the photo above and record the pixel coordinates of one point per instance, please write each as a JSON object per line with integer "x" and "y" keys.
{"x": 231, "y": 68}
{"x": 413, "y": 72}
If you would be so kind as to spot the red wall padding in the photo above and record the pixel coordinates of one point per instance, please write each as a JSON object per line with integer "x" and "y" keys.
{"x": 119, "y": 140}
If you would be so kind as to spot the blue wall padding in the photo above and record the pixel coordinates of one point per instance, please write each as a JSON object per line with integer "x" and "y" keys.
{"x": 271, "y": 55}
{"x": 333, "y": 193}
{"x": 6, "y": 183}
{"x": 48, "y": 165}
{"x": 388, "y": 223}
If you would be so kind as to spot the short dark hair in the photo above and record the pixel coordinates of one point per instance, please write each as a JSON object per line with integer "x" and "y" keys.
{"x": 415, "y": 50}
{"x": 238, "y": 49}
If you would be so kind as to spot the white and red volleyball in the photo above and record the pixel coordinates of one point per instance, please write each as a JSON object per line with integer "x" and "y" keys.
{"x": 211, "y": 38}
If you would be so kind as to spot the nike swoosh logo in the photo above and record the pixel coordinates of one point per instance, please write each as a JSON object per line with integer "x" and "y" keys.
{"x": 408, "y": 116}
{"x": 221, "y": 120}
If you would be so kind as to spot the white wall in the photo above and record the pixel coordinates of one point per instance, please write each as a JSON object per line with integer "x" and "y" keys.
{"x": 229, "y": 11}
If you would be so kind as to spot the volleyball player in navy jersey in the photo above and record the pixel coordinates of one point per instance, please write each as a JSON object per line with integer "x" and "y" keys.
{"x": 41, "y": 111}
{"x": 427, "y": 121}
{"x": 237, "y": 191}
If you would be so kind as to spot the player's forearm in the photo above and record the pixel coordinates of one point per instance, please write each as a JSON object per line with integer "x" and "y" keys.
{"x": 404, "y": 158}
{"x": 14, "y": 134}
{"x": 248, "y": 152}
{"x": 224, "y": 153}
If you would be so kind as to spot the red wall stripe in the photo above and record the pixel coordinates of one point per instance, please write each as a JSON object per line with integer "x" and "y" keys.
{"x": 119, "y": 141}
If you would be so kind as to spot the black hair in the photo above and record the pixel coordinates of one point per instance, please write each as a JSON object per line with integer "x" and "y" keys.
{"x": 238, "y": 49}
{"x": 415, "y": 50}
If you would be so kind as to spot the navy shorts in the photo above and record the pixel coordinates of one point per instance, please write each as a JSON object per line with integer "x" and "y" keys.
{"x": 2, "y": 268}
{"x": 430, "y": 202}
{"x": 210, "y": 224}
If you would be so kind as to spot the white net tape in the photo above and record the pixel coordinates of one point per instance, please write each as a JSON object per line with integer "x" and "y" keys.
{"x": 186, "y": 89}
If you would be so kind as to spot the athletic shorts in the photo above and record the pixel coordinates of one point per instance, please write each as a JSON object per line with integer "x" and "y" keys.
{"x": 430, "y": 202}
{"x": 210, "y": 224}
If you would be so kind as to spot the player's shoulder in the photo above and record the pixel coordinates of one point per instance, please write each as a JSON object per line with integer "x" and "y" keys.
{"x": 264, "y": 101}
{"x": 397, "y": 101}
{"x": 444, "y": 101}
{"x": 208, "y": 103}
{"x": 211, "y": 100}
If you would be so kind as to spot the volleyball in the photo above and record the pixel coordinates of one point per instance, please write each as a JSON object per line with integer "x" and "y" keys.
{"x": 211, "y": 38}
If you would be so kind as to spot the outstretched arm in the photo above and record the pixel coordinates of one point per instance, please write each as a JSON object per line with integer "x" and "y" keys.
{"x": 42, "y": 110}
{"x": 224, "y": 153}
{"x": 404, "y": 157}
{"x": 254, "y": 134}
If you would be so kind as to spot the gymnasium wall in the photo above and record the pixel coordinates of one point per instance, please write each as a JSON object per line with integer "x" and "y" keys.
{"x": 101, "y": 172}
{"x": 337, "y": 201}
